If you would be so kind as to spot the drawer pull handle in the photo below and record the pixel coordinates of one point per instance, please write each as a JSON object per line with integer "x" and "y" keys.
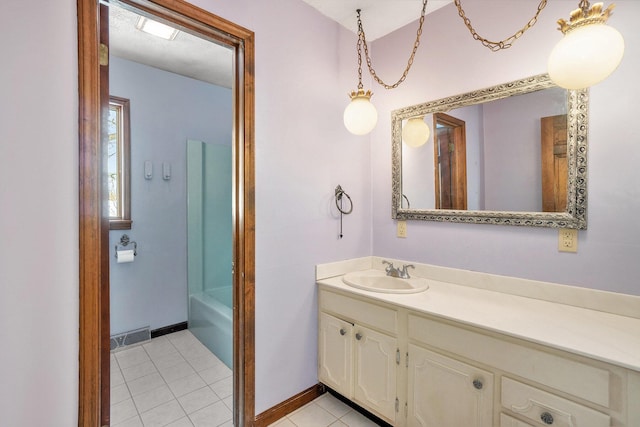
{"x": 546, "y": 418}
{"x": 478, "y": 384}
{"x": 343, "y": 331}
{"x": 358, "y": 336}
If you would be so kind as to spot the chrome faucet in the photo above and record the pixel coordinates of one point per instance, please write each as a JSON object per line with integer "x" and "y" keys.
{"x": 401, "y": 273}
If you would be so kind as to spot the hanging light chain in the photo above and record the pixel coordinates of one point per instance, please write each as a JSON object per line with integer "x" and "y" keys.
{"x": 362, "y": 42}
{"x": 584, "y": 5}
{"x": 359, "y": 47}
{"x": 508, "y": 42}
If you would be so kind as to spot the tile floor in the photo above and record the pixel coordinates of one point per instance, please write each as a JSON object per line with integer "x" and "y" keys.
{"x": 325, "y": 411}
{"x": 172, "y": 380}
{"x": 175, "y": 381}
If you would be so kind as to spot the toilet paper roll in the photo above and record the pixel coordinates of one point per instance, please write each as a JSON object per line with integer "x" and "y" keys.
{"x": 125, "y": 256}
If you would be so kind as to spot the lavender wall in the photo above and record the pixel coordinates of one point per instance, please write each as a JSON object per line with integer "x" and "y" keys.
{"x": 512, "y": 149}
{"x": 302, "y": 153}
{"x": 450, "y": 62}
{"x": 305, "y": 65}
{"x": 304, "y": 69}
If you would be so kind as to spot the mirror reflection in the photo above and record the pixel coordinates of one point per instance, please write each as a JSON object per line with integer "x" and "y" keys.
{"x": 497, "y": 155}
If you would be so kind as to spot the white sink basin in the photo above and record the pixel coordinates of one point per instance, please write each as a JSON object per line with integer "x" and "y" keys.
{"x": 378, "y": 281}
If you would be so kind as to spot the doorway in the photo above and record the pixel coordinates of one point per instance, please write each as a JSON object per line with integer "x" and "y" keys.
{"x": 93, "y": 46}
{"x": 450, "y": 157}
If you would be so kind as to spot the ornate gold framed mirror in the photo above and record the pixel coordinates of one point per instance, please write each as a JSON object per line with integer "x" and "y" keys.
{"x": 524, "y": 161}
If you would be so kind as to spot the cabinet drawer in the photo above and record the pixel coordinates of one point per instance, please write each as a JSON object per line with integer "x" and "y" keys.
{"x": 507, "y": 421}
{"x": 359, "y": 311}
{"x": 569, "y": 376}
{"x": 548, "y": 409}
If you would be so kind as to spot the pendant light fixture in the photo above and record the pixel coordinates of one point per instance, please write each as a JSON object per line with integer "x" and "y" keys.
{"x": 415, "y": 132}
{"x": 590, "y": 49}
{"x": 589, "y": 52}
{"x": 360, "y": 116}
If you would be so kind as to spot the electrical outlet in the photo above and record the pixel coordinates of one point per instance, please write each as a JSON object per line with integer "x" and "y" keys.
{"x": 568, "y": 240}
{"x": 402, "y": 228}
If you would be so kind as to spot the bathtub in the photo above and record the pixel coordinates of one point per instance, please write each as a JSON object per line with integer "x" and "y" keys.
{"x": 211, "y": 321}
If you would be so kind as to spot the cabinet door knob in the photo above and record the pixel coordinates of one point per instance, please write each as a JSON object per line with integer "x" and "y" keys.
{"x": 546, "y": 418}
{"x": 478, "y": 384}
{"x": 358, "y": 336}
{"x": 343, "y": 331}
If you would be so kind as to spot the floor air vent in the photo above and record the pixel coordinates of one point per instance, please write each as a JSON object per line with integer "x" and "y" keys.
{"x": 130, "y": 337}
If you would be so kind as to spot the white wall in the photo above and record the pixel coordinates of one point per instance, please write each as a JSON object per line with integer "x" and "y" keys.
{"x": 450, "y": 62}
{"x": 38, "y": 214}
{"x": 166, "y": 110}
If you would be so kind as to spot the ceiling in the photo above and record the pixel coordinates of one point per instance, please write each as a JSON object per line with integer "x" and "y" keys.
{"x": 379, "y": 17}
{"x": 187, "y": 55}
{"x": 204, "y": 60}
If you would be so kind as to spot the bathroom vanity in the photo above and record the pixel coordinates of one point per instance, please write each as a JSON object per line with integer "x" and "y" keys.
{"x": 498, "y": 353}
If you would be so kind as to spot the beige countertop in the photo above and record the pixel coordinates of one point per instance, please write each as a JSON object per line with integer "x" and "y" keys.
{"x": 599, "y": 335}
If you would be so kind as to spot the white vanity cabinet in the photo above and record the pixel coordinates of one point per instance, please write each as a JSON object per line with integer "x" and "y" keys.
{"x": 375, "y": 371}
{"x": 507, "y": 421}
{"x": 446, "y": 392}
{"x": 412, "y": 368}
{"x": 358, "y": 355}
{"x": 335, "y": 353}
{"x": 521, "y": 372}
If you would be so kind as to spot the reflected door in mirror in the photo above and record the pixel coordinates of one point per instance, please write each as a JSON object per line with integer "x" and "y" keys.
{"x": 554, "y": 163}
{"x": 450, "y": 156}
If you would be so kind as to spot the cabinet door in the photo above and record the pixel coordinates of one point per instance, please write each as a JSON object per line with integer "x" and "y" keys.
{"x": 335, "y": 354}
{"x": 447, "y": 392}
{"x": 375, "y": 371}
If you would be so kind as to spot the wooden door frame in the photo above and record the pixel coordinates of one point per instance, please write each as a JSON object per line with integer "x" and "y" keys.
{"x": 93, "y": 226}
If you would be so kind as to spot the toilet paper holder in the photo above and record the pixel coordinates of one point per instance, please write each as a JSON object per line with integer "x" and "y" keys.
{"x": 124, "y": 242}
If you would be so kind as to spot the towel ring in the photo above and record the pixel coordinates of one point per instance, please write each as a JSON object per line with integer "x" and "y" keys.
{"x": 339, "y": 193}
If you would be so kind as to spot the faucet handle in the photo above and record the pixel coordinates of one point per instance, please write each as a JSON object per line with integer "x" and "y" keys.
{"x": 405, "y": 273}
{"x": 391, "y": 270}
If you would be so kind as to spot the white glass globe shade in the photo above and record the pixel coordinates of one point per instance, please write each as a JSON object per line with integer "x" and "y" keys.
{"x": 415, "y": 132}
{"x": 586, "y": 56}
{"x": 360, "y": 116}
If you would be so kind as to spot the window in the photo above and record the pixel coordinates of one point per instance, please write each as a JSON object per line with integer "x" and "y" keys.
{"x": 118, "y": 164}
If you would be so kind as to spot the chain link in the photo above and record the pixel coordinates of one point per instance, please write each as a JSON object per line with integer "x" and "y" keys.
{"x": 362, "y": 43}
{"x": 506, "y": 43}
